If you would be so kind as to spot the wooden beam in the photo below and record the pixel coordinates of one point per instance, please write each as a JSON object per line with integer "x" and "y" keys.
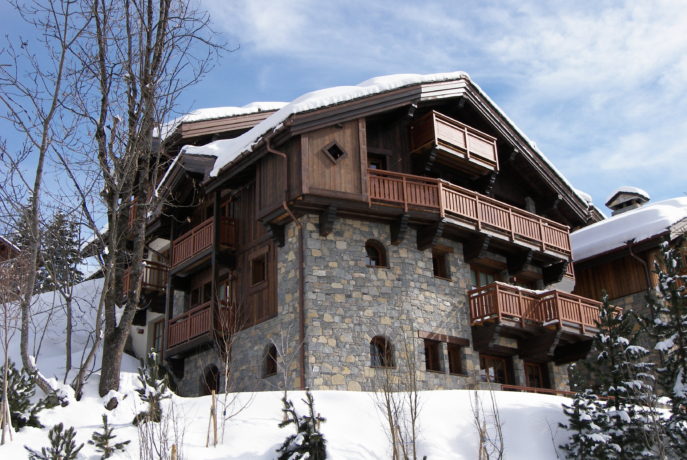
{"x": 476, "y": 248}
{"x": 516, "y": 263}
{"x": 555, "y": 272}
{"x": 539, "y": 347}
{"x": 327, "y": 219}
{"x": 486, "y": 184}
{"x": 429, "y": 235}
{"x": 431, "y": 157}
{"x": 513, "y": 155}
{"x": 399, "y": 228}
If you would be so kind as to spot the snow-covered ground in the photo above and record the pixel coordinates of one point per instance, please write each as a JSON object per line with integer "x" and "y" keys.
{"x": 354, "y": 428}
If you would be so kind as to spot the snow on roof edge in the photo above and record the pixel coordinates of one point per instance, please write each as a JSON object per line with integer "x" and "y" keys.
{"x": 9, "y": 243}
{"x": 628, "y": 189}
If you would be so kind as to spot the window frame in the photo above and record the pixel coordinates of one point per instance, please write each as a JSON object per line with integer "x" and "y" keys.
{"x": 381, "y": 353}
{"x": 433, "y": 360}
{"x": 441, "y": 265}
{"x": 327, "y": 152}
{"x": 270, "y": 365}
{"x": 377, "y": 246}
{"x": 454, "y": 353}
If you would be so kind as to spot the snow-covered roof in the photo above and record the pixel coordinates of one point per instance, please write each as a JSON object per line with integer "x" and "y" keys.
{"x": 215, "y": 113}
{"x": 8, "y": 243}
{"x": 629, "y": 190}
{"x": 638, "y": 225}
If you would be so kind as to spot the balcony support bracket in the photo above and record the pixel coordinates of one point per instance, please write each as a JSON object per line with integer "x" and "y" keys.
{"x": 554, "y": 273}
{"x": 485, "y": 337}
{"x": 327, "y": 219}
{"x": 572, "y": 352}
{"x": 429, "y": 235}
{"x": 540, "y": 347}
{"x": 431, "y": 157}
{"x": 399, "y": 229}
{"x": 486, "y": 183}
{"x": 517, "y": 263}
{"x": 277, "y": 233}
{"x": 476, "y": 248}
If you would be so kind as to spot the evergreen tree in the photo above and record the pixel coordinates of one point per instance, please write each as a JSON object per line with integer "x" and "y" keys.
{"x": 21, "y": 388}
{"x": 588, "y": 423}
{"x": 307, "y": 442}
{"x": 23, "y": 238}
{"x": 669, "y": 327}
{"x": 154, "y": 388}
{"x": 61, "y": 253}
{"x": 62, "y": 445}
{"x": 103, "y": 441}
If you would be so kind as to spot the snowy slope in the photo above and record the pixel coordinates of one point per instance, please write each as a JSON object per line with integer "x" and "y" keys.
{"x": 354, "y": 426}
{"x": 638, "y": 224}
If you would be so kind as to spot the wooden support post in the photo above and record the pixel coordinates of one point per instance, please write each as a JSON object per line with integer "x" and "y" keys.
{"x": 442, "y": 210}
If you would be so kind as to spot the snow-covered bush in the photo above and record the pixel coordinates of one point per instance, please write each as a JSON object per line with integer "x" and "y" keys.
{"x": 154, "y": 388}
{"x": 308, "y": 442}
{"x": 62, "y": 445}
{"x": 21, "y": 388}
{"x": 103, "y": 441}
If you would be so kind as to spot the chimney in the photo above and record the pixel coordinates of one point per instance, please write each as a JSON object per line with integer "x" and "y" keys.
{"x": 625, "y": 199}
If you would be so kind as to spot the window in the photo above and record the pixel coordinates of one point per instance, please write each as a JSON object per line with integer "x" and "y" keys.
{"x": 158, "y": 334}
{"x": 381, "y": 352}
{"x": 493, "y": 369}
{"x": 440, "y": 264}
{"x": 376, "y": 254}
{"x": 334, "y": 152}
{"x": 258, "y": 270}
{"x": 455, "y": 361}
{"x": 480, "y": 277}
{"x": 432, "y": 355}
{"x": 269, "y": 366}
{"x": 535, "y": 374}
{"x": 376, "y": 161}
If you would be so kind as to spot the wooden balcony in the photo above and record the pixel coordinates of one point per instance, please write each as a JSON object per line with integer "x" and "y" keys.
{"x": 456, "y": 144}
{"x": 153, "y": 277}
{"x": 505, "y": 304}
{"x": 479, "y": 212}
{"x": 197, "y": 322}
{"x": 201, "y": 238}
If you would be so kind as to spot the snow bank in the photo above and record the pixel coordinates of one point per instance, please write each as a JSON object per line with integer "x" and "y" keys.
{"x": 637, "y": 224}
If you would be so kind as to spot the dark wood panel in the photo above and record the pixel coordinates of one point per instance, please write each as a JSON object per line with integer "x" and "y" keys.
{"x": 343, "y": 174}
{"x": 271, "y": 177}
{"x": 618, "y": 278}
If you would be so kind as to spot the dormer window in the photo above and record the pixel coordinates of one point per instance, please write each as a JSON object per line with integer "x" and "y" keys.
{"x": 334, "y": 152}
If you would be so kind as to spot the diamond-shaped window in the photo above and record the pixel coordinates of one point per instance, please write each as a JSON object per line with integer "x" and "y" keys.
{"x": 334, "y": 152}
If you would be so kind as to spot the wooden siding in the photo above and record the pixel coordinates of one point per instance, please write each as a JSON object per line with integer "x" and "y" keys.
{"x": 389, "y": 138}
{"x": 324, "y": 174}
{"x": 257, "y": 302}
{"x": 271, "y": 182}
{"x": 619, "y": 278}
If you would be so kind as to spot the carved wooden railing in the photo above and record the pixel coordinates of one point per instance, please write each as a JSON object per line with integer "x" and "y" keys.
{"x": 200, "y": 238}
{"x": 417, "y": 192}
{"x": 498, "y": 301}
{"x": 438, "y": 130}
{"x": 153, "y": 276}
{"x": 198, "y": 321}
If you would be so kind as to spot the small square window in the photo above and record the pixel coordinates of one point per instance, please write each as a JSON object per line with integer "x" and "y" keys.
{"x": 432, "y": 355}
{"x": 258, "y": 270}
{"x": 440, "y": 264}
{"x": 334, "y": 152}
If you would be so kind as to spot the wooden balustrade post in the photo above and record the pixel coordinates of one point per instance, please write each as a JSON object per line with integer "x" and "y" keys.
{"x": 188, "y": 327}
{"x": 541, "y": 235}
{"x": 579, "y": 313}
{"x": 405, "y": 194}
{"x": 478, "y": 212}
{"x": 511, "y": 224}
{"x": 521, "y": 311}
{"x": 558, "y": 308}
{"x": 442, "y": 211}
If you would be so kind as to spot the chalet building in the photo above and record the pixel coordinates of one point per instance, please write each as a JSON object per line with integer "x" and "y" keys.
{"x": 617, "y": 255}
{"x": 363, "y": 233}
{"x": 7, "y": 249}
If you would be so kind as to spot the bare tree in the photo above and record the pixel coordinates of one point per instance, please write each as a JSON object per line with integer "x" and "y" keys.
{"x": 137, "y": 56}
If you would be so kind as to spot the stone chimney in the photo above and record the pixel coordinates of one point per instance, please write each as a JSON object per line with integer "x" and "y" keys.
{"x": 626, "y": 198}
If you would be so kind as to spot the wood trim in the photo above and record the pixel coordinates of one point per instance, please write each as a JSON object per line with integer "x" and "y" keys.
{"x": 362, "y": 143}
{"x": 305, "y": 164}
{"x": 443, "y": 338}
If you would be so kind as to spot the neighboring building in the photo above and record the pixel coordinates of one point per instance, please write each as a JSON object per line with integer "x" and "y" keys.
{"x": 617, "y": 255}
{"x": 358, "y": 233}
{"x": 7, "y": 249}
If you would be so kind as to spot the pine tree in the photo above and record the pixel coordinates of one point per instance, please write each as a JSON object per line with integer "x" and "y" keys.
{"x": 62, "y": 445}
{"x": 23, "y": 238}
{"x": 61, "y": 253}
{"x": 154, "y": 388}
{"x": 669, "y": 327}
{"x": 103, "y": 441}
{"x": 21, "y": 388}
{"x": 588, "y": 423}
{"x": 307, "y": 442}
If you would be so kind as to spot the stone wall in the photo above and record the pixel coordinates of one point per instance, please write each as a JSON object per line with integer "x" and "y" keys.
{"x": 348, "y": 303}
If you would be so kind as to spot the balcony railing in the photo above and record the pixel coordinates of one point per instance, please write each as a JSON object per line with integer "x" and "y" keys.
{"x": 408, "y": 191}
{"x": 201, "y": 237}
{"x": 153, "y": 277}
{"x": 499, "y": 301}
{"x": 436, "y": 130}
{"x": 196, "y": 322}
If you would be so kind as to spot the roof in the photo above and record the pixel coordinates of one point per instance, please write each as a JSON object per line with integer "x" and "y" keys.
{"x": 644, "y": 223}
{"x": 229, "y": 151}
{"x": 214, "y": 113}
{"x": 8, "y": 243}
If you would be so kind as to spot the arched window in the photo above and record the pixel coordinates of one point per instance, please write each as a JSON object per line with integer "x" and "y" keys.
{"x": 376, "y": 254}
{"x": 209, "y": 380}
{"x": 381, "y": 352}
{"x": 269, "y": 365}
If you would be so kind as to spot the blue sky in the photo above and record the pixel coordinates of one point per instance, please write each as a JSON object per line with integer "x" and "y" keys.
{"x": 601, "y": 87}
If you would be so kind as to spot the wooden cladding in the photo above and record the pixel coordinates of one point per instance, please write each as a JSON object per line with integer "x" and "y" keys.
{"x": 498, "y": 302}
{"x": 458, "y": 144}
{"x": 618, "y": 278}
{"x": 201, "y": 237}
{"x": 198, "y": 321}
{"x": 153, "y": 277}
{"x": 408, "y": 191}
